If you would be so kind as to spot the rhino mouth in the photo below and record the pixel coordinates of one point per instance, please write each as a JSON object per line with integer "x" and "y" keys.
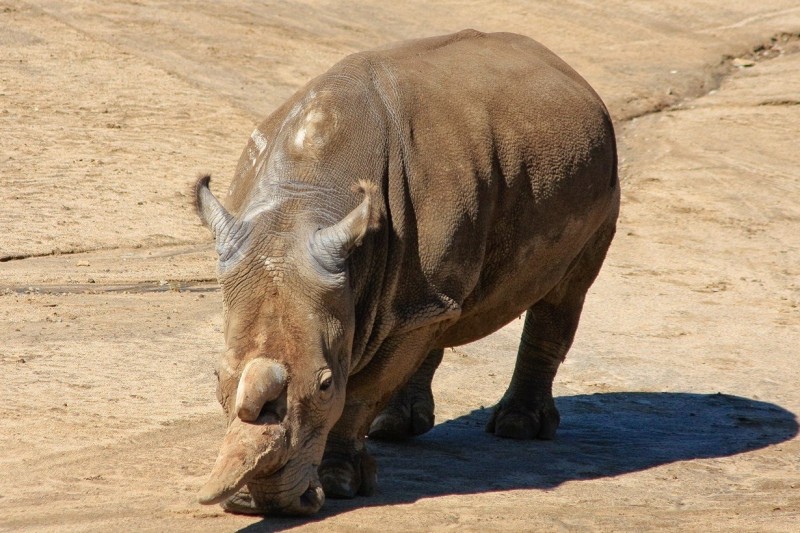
{"x": 258, "y": 496}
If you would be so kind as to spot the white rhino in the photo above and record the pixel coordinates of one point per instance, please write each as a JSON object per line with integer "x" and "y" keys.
{"x": 409, "y": 199}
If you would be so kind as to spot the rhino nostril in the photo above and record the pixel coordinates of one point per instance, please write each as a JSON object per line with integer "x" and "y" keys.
{"x": 311, "y": 500}
{"x": 273, "y": 412}
{"x": 267, "y": 417}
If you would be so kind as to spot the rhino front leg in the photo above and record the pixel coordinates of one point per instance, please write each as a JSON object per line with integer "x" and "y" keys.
{"x": 347, "y": 469}
{"x": 527, "y": 409}
{"x": 410, "y": 411}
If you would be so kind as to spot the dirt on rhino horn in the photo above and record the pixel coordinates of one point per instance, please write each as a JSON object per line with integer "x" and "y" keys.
{"x": 247, "y": 448}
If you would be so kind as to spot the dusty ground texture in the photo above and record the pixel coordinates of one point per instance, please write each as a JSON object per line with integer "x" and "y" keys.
{"x": 679, "y": 398}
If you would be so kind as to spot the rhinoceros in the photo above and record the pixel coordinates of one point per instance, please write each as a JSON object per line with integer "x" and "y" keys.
{"x": 412, "y": 198}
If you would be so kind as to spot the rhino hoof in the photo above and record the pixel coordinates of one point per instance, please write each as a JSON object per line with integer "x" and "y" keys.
{"x": 389, "y": 426}
{"x": 339, "y": 481}
{"x": 346, "y": 478}
{"x": 399, "y": 424}
{"x": 524, "y": 424}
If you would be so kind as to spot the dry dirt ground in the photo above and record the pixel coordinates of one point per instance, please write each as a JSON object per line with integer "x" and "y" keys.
{"x": 679, "y": 398}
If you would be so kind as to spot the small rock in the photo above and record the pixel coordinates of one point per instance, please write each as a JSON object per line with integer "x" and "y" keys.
{"x": 82, "y": 264}
{"x": 742, "y": 62}
{"x": 90, "y": 280}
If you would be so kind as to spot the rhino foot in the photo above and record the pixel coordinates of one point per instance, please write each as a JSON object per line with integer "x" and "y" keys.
{"x": 408, "y": 415}
{"x": 515, "y": 421}
{"x": 348, "y": 475}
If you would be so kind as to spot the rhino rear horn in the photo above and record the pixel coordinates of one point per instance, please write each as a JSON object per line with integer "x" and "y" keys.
{"x": 333, "y": 245}
{"x": 228, "y": 231}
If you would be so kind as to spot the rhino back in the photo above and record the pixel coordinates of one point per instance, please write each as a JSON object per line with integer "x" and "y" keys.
{"x": 506, "y": 165}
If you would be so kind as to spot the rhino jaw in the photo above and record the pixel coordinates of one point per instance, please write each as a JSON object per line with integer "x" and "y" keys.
{"x": 259, "y": 497}
{"x": 246, "y": 450}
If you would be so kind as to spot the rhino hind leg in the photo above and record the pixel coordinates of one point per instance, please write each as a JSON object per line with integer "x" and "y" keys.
{"x": 410, "y": 411}
{"x": 527, "y": 409}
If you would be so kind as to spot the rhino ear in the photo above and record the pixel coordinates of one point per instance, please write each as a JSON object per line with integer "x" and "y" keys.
{"x": 228, "y": 232}
{"x": 210, "y": 210}
{"x": 332, "y": 245}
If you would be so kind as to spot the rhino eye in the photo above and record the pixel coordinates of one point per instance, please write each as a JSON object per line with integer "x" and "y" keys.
{"x": 325, "y": 380}
{"x": 326, "y": 384}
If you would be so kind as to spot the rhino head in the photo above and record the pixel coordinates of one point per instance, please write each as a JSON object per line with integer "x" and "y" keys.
{"x": 289, "y": 326}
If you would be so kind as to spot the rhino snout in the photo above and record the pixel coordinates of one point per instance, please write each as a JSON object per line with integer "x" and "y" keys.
{"x": 246, "y": 450}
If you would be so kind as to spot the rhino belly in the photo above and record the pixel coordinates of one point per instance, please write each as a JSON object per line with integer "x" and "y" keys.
{"x": 513, "y": 280}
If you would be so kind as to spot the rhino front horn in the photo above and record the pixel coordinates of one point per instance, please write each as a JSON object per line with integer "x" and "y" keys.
{"x": 247, "y": 448}
{"x": 262, "y": 381}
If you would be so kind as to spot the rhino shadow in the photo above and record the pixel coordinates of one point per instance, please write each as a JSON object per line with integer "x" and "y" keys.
{"x": 601, "y": 435}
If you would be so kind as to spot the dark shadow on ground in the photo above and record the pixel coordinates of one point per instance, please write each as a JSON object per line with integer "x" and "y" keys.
{"x": 601, "y": 435}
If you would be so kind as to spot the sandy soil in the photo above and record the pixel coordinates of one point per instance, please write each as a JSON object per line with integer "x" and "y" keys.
{"x": 678, "y": 399}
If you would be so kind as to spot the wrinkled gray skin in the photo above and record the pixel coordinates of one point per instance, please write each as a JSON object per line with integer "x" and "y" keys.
{"x": 411, "y": 198}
